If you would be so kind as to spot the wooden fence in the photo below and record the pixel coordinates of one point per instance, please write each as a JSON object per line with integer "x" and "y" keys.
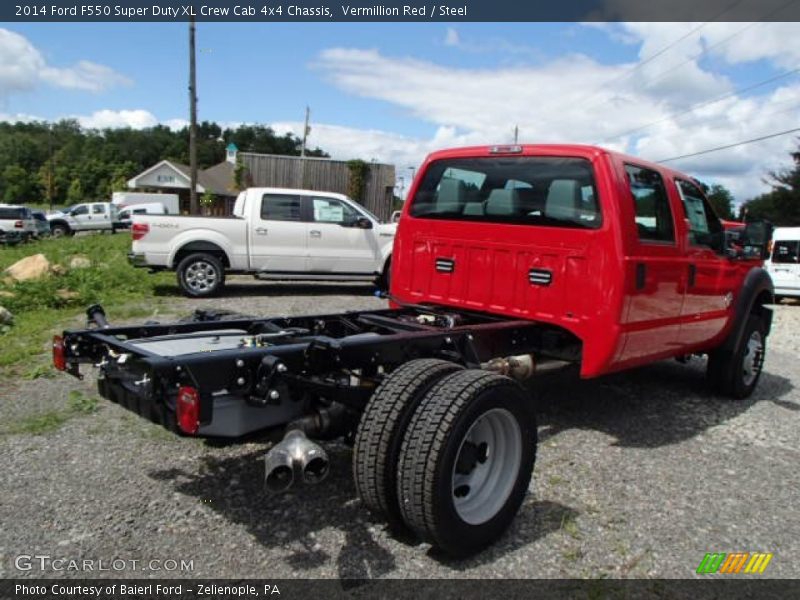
{"x": 322, "y": 174}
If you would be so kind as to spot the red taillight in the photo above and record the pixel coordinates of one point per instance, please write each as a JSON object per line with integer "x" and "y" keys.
{"x": 139, "y": 230}
{"x": 19, "y": 224}
{"x": 187, "y": 410}
{"x": 59, "y": 358}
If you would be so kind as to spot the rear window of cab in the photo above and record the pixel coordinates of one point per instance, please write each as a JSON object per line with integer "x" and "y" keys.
{"x": 520, "y": 190}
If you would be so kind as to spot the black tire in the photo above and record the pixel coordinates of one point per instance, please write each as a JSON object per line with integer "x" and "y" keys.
{"x": 385, "y": 278}
{"x": 432, "y": 451}
{"x": 60, "y": 230}
{"x": 735, "y": 374}
{"x": 380, "y": 433}
{"x": 200, "y": 275}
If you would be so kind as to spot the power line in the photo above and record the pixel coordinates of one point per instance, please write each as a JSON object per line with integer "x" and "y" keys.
{"x": 704, "y": 103}
{"x": 639, "y": 65}
{"x": 718, "y": 148}
{"x": 721, "y": 42}
{"x": 650, "y": 58}
{"x": 708, "y": 49}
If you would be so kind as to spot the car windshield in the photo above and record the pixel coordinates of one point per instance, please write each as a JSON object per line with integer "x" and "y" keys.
{"x": 521, "y": 190}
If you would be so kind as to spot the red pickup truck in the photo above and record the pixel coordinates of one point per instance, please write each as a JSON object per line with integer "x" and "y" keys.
{"x": 508, "y": 261}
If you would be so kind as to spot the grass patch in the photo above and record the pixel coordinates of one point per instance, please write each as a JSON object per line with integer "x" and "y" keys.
{"x": 570, "y": 526}
{"x": 40, "y": 372}
{"x": 80, "y": 403}
{"x": 44, "y": 306}
{"x": 39, "y": 424}
{"x": 572, "y": 555}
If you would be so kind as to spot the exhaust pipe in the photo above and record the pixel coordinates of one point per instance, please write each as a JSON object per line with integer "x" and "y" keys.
{"x": 295, "y": 457}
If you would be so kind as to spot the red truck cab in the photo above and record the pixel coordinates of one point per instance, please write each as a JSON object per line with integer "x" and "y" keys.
{"x": 625, "y": 254}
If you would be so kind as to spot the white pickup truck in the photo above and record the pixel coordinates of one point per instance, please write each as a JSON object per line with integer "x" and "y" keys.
{"x": 90, "y": 216}
{"x": 274, "y": 233}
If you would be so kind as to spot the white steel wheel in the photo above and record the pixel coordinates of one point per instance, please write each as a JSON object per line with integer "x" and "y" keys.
{"x": 487, "y": 466}
{"x": 753, "y": 358}
{"x": 466, "y": 461}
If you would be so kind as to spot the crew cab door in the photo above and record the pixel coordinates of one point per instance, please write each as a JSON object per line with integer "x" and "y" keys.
{"x": 339, "y": 240}
{"x": 710, "y": 277}
{"x": 82, "y": 217}
{"x": 99, "y": 216}
{"x": 278, "y": 234}
{"x": 654, "y": 269}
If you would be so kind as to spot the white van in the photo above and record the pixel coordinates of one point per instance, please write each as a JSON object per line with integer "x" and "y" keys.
{"x": 152, "y": 208}
{"x": 784, "y": 263}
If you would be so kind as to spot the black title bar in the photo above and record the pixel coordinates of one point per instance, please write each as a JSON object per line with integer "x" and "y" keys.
{"x": 393, "y": 10}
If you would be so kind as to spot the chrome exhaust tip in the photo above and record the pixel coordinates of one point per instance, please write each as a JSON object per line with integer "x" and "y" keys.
{"x": 294, "y": 458}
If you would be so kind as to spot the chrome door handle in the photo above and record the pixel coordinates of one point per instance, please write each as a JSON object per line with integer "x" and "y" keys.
{"x": 261, "y": 230}
{"x": 315, "y": 233}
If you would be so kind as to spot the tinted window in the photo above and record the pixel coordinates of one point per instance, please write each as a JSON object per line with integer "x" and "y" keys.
{"x": 651, "y": 204}
{"x": 328, "y": 210}
{"x": 98, "y": 209}
{"x": 520, "y": 190}
{"x": 12, "y": 213}
{"x": 786, "y": 252}
{"x": 276, "y": 207}
{"x": 80, "y": 210}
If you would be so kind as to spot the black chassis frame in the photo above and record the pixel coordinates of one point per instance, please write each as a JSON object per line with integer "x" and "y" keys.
{"x": 315, "y": 355}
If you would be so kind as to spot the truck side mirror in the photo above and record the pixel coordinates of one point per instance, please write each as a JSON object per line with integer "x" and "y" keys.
{"x": 755, "y": 239}
{"x": 362, "y": 223}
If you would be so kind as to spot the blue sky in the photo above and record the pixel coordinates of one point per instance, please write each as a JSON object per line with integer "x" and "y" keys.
{"x": 394, "y": 92}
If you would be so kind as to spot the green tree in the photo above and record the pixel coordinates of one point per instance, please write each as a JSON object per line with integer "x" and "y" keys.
{"x": 37, "y": 158}
{"x": 781, "y": 205}
{"x": 75, "y": 192}
{"x": 721, "y": 199}
{"x": 17, "y": 186}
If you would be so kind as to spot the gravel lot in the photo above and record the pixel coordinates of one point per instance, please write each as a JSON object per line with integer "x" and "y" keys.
{"x": 638, "y": 475}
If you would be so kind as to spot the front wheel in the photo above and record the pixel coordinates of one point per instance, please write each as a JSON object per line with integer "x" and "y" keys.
{"x": 59, "y": 230}
{"x": 466, "y": 461}
{"x": 736, "y": 373}
{"x": 200, "y": 275}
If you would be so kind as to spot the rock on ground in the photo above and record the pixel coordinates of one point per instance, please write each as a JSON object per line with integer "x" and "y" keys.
{"x": 80, "y": 262}
{"x": 30, "y": 267}
{"x": 6, "y": 318}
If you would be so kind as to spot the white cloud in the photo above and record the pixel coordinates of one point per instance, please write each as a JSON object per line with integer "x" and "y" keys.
{"x": 23, "y": 67}
{"x": 451, "y": 37}
{"x": 113, "y": 119}
{"x": 574, "y": 98}
{"x": 104, "y": 119}
{"x": 85, "y": 75}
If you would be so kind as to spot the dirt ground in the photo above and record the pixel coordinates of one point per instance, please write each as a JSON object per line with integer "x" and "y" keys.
{"x": 638, "y": 475}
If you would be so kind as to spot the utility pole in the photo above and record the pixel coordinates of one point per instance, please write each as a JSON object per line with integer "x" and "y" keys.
{"x": 516, "y": 134}
{"x": 194, "y": 205}
{"x": 50, "y": 165}
{"x": 306, "y": 131}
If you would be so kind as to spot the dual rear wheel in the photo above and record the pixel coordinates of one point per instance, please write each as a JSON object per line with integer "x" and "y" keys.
{"x": 446, "y": 453}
